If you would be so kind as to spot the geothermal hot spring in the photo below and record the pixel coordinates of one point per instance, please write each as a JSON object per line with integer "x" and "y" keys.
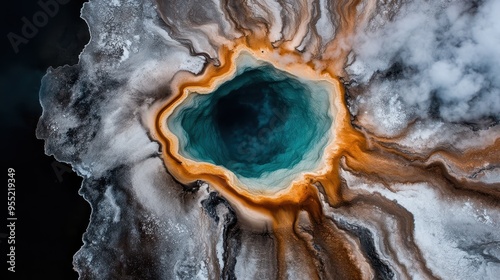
{"x": 264, "y": 125}
{"x": 284, "y": 139}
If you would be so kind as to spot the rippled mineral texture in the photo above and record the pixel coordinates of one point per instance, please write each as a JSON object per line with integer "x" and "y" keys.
{"x": 367, "y": 147}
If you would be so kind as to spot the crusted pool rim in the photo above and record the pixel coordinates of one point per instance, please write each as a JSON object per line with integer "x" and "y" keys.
{"x": 263, "y": 203}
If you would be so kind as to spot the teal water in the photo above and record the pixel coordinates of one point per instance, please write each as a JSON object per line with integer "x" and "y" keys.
{"x": 260, "y": 125}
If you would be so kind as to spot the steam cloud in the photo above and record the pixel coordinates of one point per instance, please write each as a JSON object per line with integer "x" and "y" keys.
{"x": 436, "y": 60}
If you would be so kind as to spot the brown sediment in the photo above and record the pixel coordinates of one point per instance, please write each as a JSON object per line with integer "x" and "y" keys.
{"x": 467, "y": 163}
{"x": 452, "y": 167}
{"x": 406, "y": 227}
{"x": 292, "y": 253}
{"x": 321, "y": 249}
{"x": 337, "y": 257}
{"x": 347, "y": 18}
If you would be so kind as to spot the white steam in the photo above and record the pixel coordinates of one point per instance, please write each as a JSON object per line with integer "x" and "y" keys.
{"x": 435, "y": 58}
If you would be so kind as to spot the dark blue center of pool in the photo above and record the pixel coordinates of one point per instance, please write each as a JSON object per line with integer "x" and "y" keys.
{"x": 261, "y": 121}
